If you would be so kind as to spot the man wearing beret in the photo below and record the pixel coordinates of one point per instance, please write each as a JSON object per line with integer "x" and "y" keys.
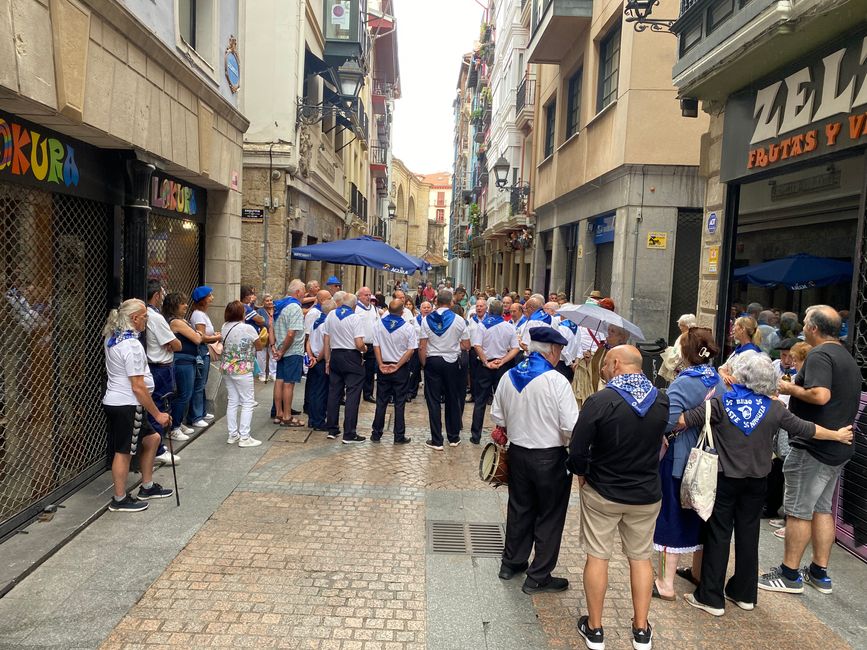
{"x": 535, "y": 404}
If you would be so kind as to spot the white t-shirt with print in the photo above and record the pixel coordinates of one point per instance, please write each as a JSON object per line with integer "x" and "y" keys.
{"x": 122, "y": 361}
{"x": 239, "y": 349}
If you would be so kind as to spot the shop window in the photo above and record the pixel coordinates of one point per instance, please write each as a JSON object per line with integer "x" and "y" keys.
{"x": 573, "y": 106}
{"x": 197, "y": 28}
{"x": 718, "y": 13}
{"x": 609, "y": 67}
{"x": 550, "y": 119}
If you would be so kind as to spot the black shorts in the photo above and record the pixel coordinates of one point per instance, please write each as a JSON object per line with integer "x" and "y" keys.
{"x": 126, "y": 427}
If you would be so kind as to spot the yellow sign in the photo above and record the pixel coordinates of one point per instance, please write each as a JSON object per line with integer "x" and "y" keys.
{"x": 658, "y": 240}
{"x": 713, "y": 259}
{"x": 580, "y": 251}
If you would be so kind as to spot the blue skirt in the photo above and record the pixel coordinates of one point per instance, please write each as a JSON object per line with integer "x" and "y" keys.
{"x": 677, "y": 529}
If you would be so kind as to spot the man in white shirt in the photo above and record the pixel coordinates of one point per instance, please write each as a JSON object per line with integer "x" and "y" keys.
{"x": 496, "y": 343}
{"x": 315, "y": 310}
{"x": 316, "y": 387}
{"x": 344, "y": 348}
{"x": 394, "y": 343}
{"x": 534, "y": 316}
{"x": 473, "y": 323}
{"x": 536, "y": 406}
{"x": 414, "y": 364}
{"x": 369, "y": 316}
{"x": 407, "y": 313}
{"x": 443, "y": 336}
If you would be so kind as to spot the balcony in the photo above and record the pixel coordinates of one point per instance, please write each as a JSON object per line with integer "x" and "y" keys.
{"x": 525, "y": 98}
{"x": 379, "y": 161}
{"x": 556, "y": 25}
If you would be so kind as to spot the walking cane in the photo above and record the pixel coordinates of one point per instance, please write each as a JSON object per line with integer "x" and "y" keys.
{"x": 167, "y": 400}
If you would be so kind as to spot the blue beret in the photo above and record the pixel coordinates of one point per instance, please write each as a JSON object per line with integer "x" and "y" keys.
{"x": 200, "y": 293}
{"x": 333, "y": 280}
{"x": 547, "y": 335}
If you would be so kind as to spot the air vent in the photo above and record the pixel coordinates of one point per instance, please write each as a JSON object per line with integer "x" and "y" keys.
{"x": 460, "y": 538}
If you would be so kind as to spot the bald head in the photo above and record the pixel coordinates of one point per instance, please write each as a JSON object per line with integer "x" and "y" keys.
{"x": 551, "y": 308}
{"x": 395, "y": 307}
{"x": 323, "y": 296}
{"x": 533, "y": 304}
{"x": 622, "y": 360}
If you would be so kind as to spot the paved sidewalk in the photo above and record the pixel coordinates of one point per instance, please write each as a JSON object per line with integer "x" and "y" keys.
{"x": 308, "y": 543}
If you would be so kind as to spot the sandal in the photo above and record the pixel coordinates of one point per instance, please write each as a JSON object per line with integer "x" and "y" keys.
{"x": 277, "y": 420}
{"x": 656, "y": 594}
{"x": 292, "y": 422}
{"x": 686, "y": 574}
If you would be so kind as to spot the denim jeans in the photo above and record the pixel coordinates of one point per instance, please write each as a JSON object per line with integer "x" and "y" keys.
{"x": 197, "y": 403}
{"x": 185, "y": 379}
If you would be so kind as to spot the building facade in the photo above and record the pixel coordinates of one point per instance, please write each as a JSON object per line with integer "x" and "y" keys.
{"x": 122, "y": 163}
{"x": 463, "y": 182}
{"x": 438, "y": 216}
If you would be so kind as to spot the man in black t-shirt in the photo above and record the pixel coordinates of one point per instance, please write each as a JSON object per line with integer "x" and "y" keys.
{"x": 829, "y": 397}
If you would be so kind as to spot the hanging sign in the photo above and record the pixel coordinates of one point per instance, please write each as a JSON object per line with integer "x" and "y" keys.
{"x": 711, "y": 223}
{"x": 253, "y": 215}
{"x": 233, "y": 65}
{"x": 657, "y": 240}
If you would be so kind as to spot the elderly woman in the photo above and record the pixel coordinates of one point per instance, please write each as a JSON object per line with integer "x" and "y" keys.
{"x": 240, "y": 344}
{"x": 127, "y": 397}
{"x": 199, "y": 319}
{"x": 747, "y": 339}
{"x": 743, "y": 421}
{"x": 672, "y": 358}
{"x": 186, "y": 360}
{"x": 677, "y": 529}
{"x": 267, "y": 362}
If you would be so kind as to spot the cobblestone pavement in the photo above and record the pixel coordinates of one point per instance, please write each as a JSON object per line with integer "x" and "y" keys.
{"x": 324, "y": 545}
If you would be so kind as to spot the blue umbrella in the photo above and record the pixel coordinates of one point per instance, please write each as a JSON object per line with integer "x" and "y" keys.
{"x": 796, "y": 272}
{"x": 361, "y": 251}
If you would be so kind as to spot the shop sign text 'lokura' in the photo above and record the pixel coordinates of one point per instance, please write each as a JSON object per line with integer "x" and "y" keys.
{"x": 819, "y": 108}
{"x": 173, "y": 196}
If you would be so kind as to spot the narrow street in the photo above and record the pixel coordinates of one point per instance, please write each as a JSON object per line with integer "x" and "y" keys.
{"x": 308, "y": 543}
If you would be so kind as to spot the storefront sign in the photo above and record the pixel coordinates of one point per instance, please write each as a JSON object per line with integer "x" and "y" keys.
{"x": 603, "y": 229}
{"x": 820, "y": 107}
{"x": 174, "y": 196}
{"x": 658, "y": 240}
{"x": 711, "y": 223}
{"x": 253, "y": 215}
{"x": 713, "y": 259}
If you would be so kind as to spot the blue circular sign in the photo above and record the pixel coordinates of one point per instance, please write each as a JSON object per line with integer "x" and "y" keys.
{"x": 711, "y": 223}
{"x": 233, "y": 70}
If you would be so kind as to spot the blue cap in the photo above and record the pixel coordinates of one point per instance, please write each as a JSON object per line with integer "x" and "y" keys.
{"x": 200, "y": 293}
{"x": 333, "y": 280}
{"x": 547, "y": 335}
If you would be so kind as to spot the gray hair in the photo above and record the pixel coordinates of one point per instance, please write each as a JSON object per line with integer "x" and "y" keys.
{"x": 349, "y": 300}
{"x": 755, "y": 371}
{"x": 687, "y": 320}
{"x": 496, "y": 307}
{"x": 295, "y": 286}
{"x": 328, "y": 306}
{"x": 538, "y": 346}
{"x": 120, "y": 319}
{"x": 445, "y": 297}
{"x": 339, "y": 297}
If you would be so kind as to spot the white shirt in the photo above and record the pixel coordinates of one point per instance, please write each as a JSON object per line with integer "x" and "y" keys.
{"x": 407, "y": 314}
{"x": 198, "y": 317}
{"x": 565, "y": 355}
{"x": 369, "y": 317}
{"x": 157, "y": 335}
{"x": 310, "y": 317}
{"x": 539, "y": 417}
{"x": 393, "y": 345}
{"x": 495, "y": 341}
{"x": 317, "y": 339}
{"x": 122, "y": 361}
{"x": 574, "y": 350}
{"x": 447, "y": 346}
{"x": 342, "y": 332}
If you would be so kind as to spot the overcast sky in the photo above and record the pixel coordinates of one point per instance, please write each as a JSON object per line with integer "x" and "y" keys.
{"x": 432, "y": 36}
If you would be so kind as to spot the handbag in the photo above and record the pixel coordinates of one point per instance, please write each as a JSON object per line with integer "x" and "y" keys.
{"x": 698, "y": 488}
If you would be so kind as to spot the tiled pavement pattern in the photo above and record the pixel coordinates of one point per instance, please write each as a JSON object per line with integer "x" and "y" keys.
{"x": 323, "y": 545}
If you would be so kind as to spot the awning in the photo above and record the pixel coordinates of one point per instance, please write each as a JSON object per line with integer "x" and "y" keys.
{"x": 435, "y": 260}
{"x": 796, "y": 272}
{"x": 361, "y": 251}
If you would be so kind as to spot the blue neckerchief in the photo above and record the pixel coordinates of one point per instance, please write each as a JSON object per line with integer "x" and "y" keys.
{"x": 319, "y": 320}
{"x": 418, "y": 319}
{"x": 491, "y": 321}
{"x": 440, "y": 322}
{"x": 361, "y": 304}
{"x": 708, "y": 374}
{"x": 521, "y": 322}
{"x": 343, "y": 311}
{"x": 528, "y": 370}
{"x": 636, "y": 390}
{"x": 790, "y": 371}
{"x": 475, "y": 318}
{"x": 280, "y": 305}
{"x": 744, "y": 347}
{"x": 542, "y": 315}
{"x": 572, "y": 326}
{"x": 118, "y": 336}
{"x": 744, "y": 408}
{"x": 392, "y": 323}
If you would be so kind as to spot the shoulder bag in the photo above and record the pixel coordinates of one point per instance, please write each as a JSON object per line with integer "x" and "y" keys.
{"x": 698, "y": 489}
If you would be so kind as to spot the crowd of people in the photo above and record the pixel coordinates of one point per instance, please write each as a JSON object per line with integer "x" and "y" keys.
{"x": 782, "y": 427}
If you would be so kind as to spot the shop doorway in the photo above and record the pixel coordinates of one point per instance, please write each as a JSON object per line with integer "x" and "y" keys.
{"x": 604, "y": 267}
{"x": 687, "y": 260}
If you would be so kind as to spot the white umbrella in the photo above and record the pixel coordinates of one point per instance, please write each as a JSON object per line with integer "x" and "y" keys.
{"x": 595, "y": 318}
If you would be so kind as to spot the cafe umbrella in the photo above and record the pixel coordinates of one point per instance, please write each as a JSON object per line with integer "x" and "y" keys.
{"x": 362, "y": 251}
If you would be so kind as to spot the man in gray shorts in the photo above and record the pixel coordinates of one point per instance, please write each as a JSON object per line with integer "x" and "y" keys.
{"x": 826, "y": 392}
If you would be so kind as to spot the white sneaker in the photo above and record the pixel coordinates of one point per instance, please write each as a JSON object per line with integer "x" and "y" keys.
{"x": 255, "y": 404}
{"x": 201, "y": 424}
{"x": 209, "y": 417}
{"x": 233, "y": 439}
{"x": 177, "y": 434}
{"x": 166, "y": 458}
{"x": 185, "y": 429}
{"x": 263, "y": 380}
{"x": 249, "y": 442}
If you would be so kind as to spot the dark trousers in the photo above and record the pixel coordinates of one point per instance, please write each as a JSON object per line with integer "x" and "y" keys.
{"x": 486, "y": 382}
{"x": 394, "y": 385}
{"x": 444, "y": 379}
{"x": 738, "y": 506}
{"x": 370, "y": 374}
{"x": 565, "y": 370}
{"x": 538, "y": 498}
{"x": 316, "y": 395}
{"x": 474, "y": 363}
{"x": 776, "y": 488}
{"x": 414, "y": 375}
{"x": 346, "y": 374}
{"x": 164, "y": 384}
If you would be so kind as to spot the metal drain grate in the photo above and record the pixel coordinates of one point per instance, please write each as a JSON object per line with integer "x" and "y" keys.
{"x": 460, "y": 538}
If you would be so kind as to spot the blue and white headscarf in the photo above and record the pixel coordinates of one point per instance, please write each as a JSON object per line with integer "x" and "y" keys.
{"x": 526, "y": 371}
{"x": 343, "y": 311}
{"x": 117, "y": 336}
{"x": 541, "y": 315}
{"x": 636, "y": 390}
{"x": 708, "y": 374}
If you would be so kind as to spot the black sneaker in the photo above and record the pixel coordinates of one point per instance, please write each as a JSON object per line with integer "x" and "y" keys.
{"x": 129, "y": 504}
{"x": 507, "y": 572}
{"x": 333, "y": 436}
{"x": 476, "y": 440}
{"x": 156, "y": 491}
{"x": 375, "y": 438}
{"x": 402, "y": 441}
{"x": 354, "y": 441}
{"x": 530, "y": 586}
{"x": 593, "y": 638}
{"x": 642, "y": 639}
{"x": 433, "y": 445}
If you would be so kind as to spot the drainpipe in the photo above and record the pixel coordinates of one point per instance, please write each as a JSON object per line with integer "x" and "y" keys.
{"x": 638, "y": 221}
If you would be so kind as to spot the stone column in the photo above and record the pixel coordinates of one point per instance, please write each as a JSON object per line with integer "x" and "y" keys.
{"x": 521, "y": 283}
{"x": 558, "y": 262}
{"x": 135, "y": 240}
{"x": 537, "y": 273}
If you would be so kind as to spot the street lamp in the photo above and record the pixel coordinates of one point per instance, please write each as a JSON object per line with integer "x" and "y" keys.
{"x": 392, "y": 210}
{"x": 351, "y": 80}
{"x": 501, "y": 171}
{"x": 638, "y": 12}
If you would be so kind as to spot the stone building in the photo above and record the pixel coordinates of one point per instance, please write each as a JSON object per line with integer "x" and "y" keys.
{"x": 122, "y": 162}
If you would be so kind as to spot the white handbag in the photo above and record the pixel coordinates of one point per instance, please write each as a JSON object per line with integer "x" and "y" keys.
{"x": 698, "y": 489}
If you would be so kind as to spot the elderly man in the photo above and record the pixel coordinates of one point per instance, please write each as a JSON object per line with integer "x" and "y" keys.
{"x": 414, "y": 364}
{"x": 589, "y": 367}
{"x": 316, "y": 387}
{"x": 369, "y": 316}
{"x": 287, "y": 346}
{"x": 394, "y": 343}
{"x": 534, "y": 316}
{"x": 496, "y": 344}
{"x": 310, "y": 297}
{"x": 829, "y": 397}
{"x": 474, "y": 320}
{"x": 507, "y": 308}
{"x": 315, "y": 310}
{"x": 344, "y": 348}
{"x": 620, "y": 487}
{"x": 534, "y": 404}
{"x": 442, "y": 338}
{"x": 333, "y": 284}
